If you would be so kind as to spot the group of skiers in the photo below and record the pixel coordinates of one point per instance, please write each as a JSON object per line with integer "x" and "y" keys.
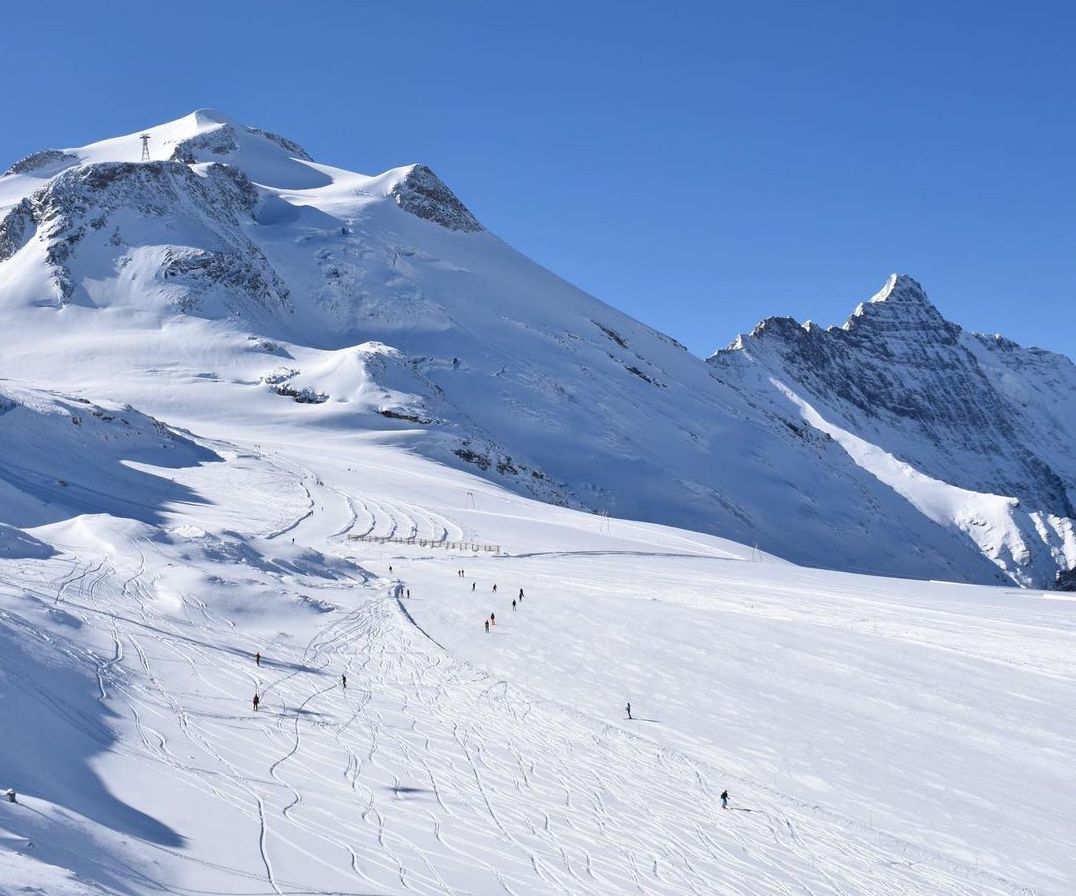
{"x": 516, "y": 601}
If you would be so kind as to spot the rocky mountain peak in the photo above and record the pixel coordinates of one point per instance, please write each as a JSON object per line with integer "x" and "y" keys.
{"x": 424, "y": 194}
{"x": 901, "y": 307}
{"x": 902, "y": 289}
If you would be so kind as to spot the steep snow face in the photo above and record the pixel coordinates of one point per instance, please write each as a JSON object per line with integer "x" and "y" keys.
{"x": 64, "y": 457}
{"x": 237, "y": 279}
{"x": 973, "y": 431}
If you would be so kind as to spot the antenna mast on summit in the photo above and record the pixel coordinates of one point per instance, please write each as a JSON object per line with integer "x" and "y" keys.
{"x": 145, "y": 147}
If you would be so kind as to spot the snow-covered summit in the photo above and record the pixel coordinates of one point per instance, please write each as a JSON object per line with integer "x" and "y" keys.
{"x": 273, "y": 162}
{"x": 902, "y": 289}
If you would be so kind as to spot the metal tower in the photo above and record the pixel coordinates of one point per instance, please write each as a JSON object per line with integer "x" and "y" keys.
{"x": 145, "y": 147}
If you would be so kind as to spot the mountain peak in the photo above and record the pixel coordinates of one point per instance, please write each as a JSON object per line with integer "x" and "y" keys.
{"x": 901, "y": 306}
{"x": 902, "y": 289}
{"x": 203, "y": 117}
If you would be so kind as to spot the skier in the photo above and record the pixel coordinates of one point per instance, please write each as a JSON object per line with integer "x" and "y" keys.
{"x": 513, "y": 605}
{"x": 257, "y": 700}
{"x": 487, "y": 626}
{"x": 492, "y": 618}
{"x": 390, "y": 570}
{"x": 258, "y": 659}
{"x": 343, "y": 681}
{"x": 494, "y": 587}
{"x": 724, "y": 799}
{"x": 408, "y": 593}
{"x": 628, "y": 708}
{"x": 473, "y": 584}
{"x": 521, "y": 594}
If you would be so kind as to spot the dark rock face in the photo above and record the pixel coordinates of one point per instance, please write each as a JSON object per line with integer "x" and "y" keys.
{"x": 36, "y": 161}
{"x": 156, "y": 188}
{"x": 220, "y": 142}
{"x": 289, "y": 145}
{"x": 224, "y": 141}
{"x": 81, "y": 200}
{"x": 899, "y": 365}
{"x": 423, "y": 194}
{"x": 16, "y": 229}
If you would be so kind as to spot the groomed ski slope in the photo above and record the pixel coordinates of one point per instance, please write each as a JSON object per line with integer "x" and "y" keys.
{"x": 877, "y": 736}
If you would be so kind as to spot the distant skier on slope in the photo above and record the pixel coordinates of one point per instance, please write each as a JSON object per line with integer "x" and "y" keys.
{"x": 487, "y": 626}
{"x": 492, "y": 618}
{"x": 521, "y": 594}
{"x": 343, "y": 681}
{"x": 494, "y": 587}
{"x": 724, "y": 799}
{"x": 628, "y": 708}
{"x": 256, "y": 701}
{"x": 513, "y": 605}
{"x": 473, "y": 584}
{"x": 257, "y": 659}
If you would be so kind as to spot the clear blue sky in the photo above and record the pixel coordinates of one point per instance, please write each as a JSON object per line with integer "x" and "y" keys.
{"x": 700, "y": 165}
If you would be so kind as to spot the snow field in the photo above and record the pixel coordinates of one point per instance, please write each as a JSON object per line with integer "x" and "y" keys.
{"x": 867, "y": 729}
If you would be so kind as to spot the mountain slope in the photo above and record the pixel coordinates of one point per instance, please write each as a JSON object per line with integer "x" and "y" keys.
{"x": 238, "y": 266}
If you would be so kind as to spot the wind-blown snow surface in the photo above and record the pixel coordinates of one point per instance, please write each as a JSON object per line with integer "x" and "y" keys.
{"x": 233, "y": 274}
{"x": 876, "y": 736}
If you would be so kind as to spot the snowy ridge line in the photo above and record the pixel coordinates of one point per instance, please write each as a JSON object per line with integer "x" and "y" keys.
{"x": 397, "y": 593}
{"x": 429, "y": 543}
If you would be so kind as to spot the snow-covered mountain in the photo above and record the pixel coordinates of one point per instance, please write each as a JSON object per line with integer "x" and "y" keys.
{"x": 271, "y": 428}
{"x": 976, "y": 432}
{"x": 234, "y": 265}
